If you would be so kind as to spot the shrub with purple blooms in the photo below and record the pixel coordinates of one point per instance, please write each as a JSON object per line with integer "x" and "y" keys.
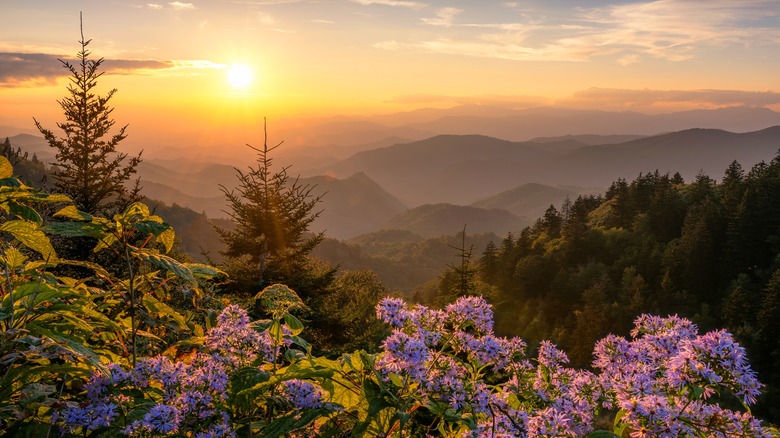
{"x": 439, "y": 373}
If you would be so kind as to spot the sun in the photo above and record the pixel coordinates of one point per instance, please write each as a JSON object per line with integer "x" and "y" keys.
{"x": 239, "y": 76}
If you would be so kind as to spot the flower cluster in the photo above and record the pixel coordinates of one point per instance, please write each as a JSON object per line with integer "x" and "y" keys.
{"x": 187, "y": 396}
{"x": 303, "y": 395}
{"x": 663, "y": 377}
{"x": 236, "y": 341}
{"x": 661, "y": 381}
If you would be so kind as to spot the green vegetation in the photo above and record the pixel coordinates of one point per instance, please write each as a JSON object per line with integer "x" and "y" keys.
{"x": 703, "y": 250}
{"x": 89, "y": 168}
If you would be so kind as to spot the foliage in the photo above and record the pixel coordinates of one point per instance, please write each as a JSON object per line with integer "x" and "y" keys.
{"x": 705, "y": 250}
{"x": 271, "y": 215}
{"x": 47, "y": 321}
{"x": 89, "y": 169}
{"x": 440, "y": 373}
{"x": 56, "y": 329}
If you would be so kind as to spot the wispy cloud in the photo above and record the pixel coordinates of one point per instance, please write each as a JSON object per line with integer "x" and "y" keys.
{"x": 400, "y": 3}
{"x": 176, "y": 6}
{"x": 443, "y": 17}
{"x": 507, "y": 101}
{"x": 673, "y": 30}
{"x": 614, "y": 98}
{"x": 180, "y": 6}
{"x": 19, "y": 70}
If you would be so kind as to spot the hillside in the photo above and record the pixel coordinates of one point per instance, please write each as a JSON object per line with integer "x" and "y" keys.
{"x": 351, "y": 206}
{"x": 429, "y": 171}
{"x": 434, "y": 220}
{"x": 528, "y": 201}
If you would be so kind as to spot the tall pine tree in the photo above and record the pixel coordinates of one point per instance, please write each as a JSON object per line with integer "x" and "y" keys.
{"x": 270, "y": 242}
{"x": 89, "y": 168}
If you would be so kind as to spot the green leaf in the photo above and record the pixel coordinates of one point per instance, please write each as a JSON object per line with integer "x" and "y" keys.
{"x": 167, "y": 263}
{"x": 167, "y": 238}
{"x": 200, "y": 270}
{"x": 158, "y": 308}
{"x": 602, "y": 434}
{"x": 74, "y": 229}
{"x": 292, "y": 422}
{"x": 13, "y": 258}
{"x": 132, "y": 213}
{"x": 71, "y": 212}
{"x": 276, "y": 332}
{"x": 618, "y": 427}
{"x": 30, "y": 236}
{"x": 6, "y": 169}
{"x": 396, "y": 380}
{"x": 293, "y": 323}
{"x": 24, "y": 212}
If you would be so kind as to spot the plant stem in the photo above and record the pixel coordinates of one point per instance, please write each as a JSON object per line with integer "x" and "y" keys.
{"x": 132, "y": 302}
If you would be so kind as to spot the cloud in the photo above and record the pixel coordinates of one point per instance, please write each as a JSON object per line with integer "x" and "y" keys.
{"x": 179, "y": 6}
{"x": 506, "y": 101}
{"x": 672, "y": 30}
{"x": 29, "y": 69}
{"x": 19, "y": 70}
{"x": 154, "y": 6}
{"x": 400, "y": 3}
{"x": 615, "y": 98}
{"x": 443, "y": 17}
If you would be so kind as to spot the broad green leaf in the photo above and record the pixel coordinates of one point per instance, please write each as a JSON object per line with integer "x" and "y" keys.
{"x": 72, "y": 229}
{"x": 14, "y": 258}
{"x": 602, "y": 434}
{"x": 167, "y": 263}
{"x": 276, "y": 332}
{"x": 6, "y": 170}
{"x": 30, "y": 236}
{"x": 618, "y": 426}
{"x": 154, "y": 306}
{"x": 200, "y": 270}
{"x": 24, "y": 212}
{"x": 293, "y": 323}
{"x": 291, "y": 422}
{"x": 132, "y": 213}
{"x": 147, "y": 226}
{"x": 71, "y": 212}
{"x": 106, "y": 241}
{"x": 167, "y": 238}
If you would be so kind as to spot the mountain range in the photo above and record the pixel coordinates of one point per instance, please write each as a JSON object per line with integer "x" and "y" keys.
{"x": 371, "y": 182}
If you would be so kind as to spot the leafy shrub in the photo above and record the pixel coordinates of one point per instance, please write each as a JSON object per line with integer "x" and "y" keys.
{"x": 440, "y": 373}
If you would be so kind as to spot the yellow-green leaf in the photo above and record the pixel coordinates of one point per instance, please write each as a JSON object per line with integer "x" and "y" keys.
{"x": 14, "y": 258}
{"x": 71, "y": 212}
{"x": 6, "y": 170}
{"x": 29, "y": 235}
{"x": 166, "y": 238}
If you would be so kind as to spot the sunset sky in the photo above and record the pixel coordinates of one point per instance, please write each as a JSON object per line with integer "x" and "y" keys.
{"x": 170, "y": 60}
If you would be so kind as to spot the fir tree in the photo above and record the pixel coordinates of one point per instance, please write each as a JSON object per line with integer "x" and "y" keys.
{"x": 89, "y": 168}
{"x": 272, "y": 215}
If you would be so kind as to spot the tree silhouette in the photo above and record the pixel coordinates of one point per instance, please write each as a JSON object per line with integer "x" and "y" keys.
{"x": 88, "y": 167}
{"x": 272, "y": 215}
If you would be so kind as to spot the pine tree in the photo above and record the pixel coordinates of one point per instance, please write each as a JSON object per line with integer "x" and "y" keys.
{"x": 89, "y": 168}
{"x": 272, "y": 215}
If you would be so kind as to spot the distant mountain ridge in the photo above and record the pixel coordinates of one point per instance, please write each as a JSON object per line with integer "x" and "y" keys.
{"x": 369, "y": 187}
{"x": 434, "y": 220}
{"x": 463, "y": 169}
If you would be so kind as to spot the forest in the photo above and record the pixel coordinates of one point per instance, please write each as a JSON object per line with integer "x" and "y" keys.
{"x": 651, "y": 310}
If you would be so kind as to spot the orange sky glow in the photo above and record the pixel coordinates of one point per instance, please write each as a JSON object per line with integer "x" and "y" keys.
{"x": 321, "y": 59}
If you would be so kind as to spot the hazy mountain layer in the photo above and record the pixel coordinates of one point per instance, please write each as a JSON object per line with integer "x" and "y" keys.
{"x": 463, "y": 169}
